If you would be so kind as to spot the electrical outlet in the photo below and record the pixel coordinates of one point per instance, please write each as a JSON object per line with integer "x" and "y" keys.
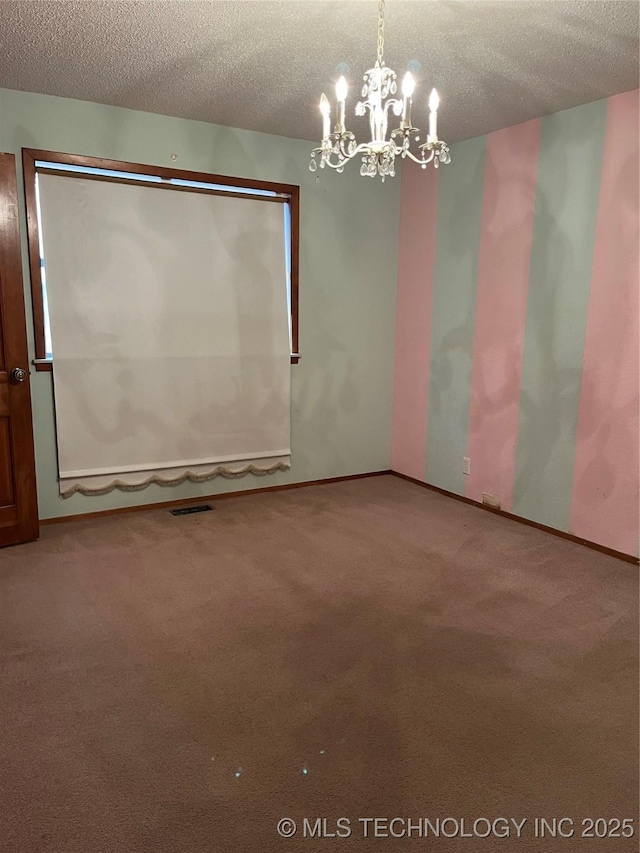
{"x": 466, "y": 465}
{"x": 491, "y": 500}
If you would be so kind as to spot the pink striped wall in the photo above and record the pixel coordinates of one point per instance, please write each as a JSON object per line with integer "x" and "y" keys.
{"x": 418, "y": 220}
{"x": 604, "y": 492}
{"x": 605, "y": 500}
{"x": 508, "y": 206}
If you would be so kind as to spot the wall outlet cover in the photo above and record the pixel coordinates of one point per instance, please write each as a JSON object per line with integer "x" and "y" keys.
{"x": 491, "y": 500}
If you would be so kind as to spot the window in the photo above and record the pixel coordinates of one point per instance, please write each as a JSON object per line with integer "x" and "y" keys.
{"x": 167, "y": 301}
{"x": 37, "y": 162}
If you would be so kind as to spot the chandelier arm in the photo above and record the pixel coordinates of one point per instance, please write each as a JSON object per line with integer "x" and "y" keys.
{"x": 338, "y": 165}
{"x": 364, "y": 147}
{"x": 392, "y": 102}
{"x": 348, "y": 137}
{"x": 421, "y": 160}
{"x": 325, "y": 154}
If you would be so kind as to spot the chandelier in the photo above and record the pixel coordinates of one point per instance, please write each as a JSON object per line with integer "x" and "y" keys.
{"x": 378, "y": 155}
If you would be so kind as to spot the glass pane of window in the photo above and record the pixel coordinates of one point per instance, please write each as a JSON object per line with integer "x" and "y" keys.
{"x": 86, "y": 170}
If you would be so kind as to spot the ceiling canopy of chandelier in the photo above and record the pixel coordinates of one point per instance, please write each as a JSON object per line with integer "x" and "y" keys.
{"x": 378, "y": 155}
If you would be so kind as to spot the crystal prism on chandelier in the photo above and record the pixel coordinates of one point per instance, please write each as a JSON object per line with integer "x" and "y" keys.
{"x": 378, "y": 155}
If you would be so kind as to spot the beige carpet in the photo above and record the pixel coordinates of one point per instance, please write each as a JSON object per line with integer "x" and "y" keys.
{"x": 166, "y": 682}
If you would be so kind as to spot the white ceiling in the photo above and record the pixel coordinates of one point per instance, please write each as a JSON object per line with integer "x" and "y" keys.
{"x": 262, "y": 65}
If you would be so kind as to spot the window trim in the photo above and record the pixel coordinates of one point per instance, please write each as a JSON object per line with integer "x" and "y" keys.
{"x": 285, "y": 193}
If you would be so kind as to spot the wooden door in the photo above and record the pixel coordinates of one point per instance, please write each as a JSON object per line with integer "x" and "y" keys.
{"x": 18, "y": 504}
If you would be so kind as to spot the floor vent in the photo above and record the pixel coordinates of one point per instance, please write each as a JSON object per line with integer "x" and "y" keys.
{"x": 188, "y": 510}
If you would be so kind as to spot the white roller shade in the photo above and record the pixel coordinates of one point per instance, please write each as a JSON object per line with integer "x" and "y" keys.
{"x": 170, "y": 333}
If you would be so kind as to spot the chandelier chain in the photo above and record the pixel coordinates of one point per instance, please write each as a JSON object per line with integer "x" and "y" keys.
{"x": 380, "y": 60}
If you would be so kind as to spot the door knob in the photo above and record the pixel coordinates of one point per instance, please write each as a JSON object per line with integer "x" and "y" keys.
{"x": 18, "y": 374}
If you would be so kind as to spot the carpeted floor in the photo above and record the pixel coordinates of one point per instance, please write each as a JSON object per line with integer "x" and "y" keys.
{"x": 358, "y": 650}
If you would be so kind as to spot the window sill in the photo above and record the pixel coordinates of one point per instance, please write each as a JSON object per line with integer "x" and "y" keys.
{"x": 43, "y": 365}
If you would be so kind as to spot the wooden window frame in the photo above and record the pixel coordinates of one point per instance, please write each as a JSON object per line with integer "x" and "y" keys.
{"x": 286, "y": 193}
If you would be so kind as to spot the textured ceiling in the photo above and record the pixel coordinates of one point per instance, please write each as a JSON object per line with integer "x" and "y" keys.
{"x": 262, "y": 65}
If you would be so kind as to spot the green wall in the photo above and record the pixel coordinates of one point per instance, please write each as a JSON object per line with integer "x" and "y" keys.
{"x": 454, "y": 298}
{"x": 341, "y": 405}
{"x": 564, "y": 232}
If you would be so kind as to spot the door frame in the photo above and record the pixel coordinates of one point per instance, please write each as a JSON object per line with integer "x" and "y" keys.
{"x": 14, "y": 330}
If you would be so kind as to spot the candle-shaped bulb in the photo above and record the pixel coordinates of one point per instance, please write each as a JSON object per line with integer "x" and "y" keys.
{"x": 408, "y": 85}
{"x": 325, "y": 109}
{"x": 341, "y": 94}
{"x": 341, "y": 89}
{"x": 434, "y": 100}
